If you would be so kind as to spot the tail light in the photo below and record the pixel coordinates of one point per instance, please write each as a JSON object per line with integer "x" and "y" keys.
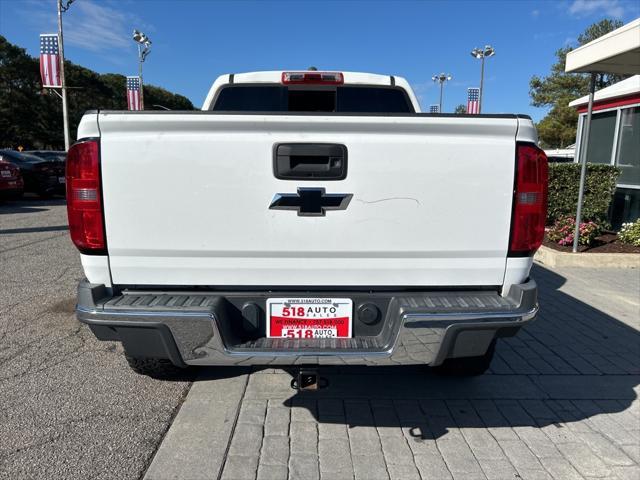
{"x": 312, "y": 78}
{"x": 84, "y": 198}
{"x": 529, "y": 200}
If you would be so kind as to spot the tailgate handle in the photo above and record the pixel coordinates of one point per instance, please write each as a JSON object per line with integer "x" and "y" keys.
{"x": 310, "y": 161}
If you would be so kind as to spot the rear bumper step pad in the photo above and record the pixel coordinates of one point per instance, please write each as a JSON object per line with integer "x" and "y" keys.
{"x": 199, "y": 328}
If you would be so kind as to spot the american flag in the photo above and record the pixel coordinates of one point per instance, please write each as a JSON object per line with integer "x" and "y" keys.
{"x": 50, "y": 60}
{"x": 473, "y": 100}
{"x": 133, "y": 93}
{"x": 434, "y": 108}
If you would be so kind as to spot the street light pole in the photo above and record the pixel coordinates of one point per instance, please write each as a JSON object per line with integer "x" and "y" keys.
{"x": 144, "y": 47}
{"x": 441, "y": 79}
{"x": 65, "y": 113}
{"x": 481, "y": 54}
{"x": 140, "y": 61}
{"x": 481, "y": 85}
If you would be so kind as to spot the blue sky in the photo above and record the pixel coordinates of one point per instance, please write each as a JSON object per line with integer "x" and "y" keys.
{"x": 196, "y": 40}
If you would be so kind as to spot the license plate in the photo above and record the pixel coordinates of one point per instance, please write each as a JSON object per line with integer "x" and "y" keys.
{"x": 5, "y": 173}
{"x": 61, "y": 180}
{"x": 309, "y": 317}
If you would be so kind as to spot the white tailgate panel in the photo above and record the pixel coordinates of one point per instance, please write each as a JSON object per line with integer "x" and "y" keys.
{"x": 186, "y": 201}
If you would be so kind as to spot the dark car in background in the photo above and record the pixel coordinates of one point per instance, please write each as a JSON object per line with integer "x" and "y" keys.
{"x": 41, "y": 176}
{"x": 56, "y": 155}
{"x": 11, "y": 183}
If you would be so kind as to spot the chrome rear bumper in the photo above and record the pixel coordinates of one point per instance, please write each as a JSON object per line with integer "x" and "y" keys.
{"x": 196, "y": 328}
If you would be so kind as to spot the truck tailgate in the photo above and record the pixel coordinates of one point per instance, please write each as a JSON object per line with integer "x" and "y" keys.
{"x": 187, "y": 196}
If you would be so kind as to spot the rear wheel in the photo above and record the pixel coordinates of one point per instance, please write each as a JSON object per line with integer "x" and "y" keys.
{"x": 467, "y": 366}
{"x": 159, "y": 368}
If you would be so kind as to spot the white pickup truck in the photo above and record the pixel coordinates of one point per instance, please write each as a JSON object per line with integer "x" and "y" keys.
{"x": 306, "y": 218}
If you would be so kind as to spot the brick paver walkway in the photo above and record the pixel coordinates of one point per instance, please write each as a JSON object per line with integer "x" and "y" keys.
{"x": 560, "y": 402}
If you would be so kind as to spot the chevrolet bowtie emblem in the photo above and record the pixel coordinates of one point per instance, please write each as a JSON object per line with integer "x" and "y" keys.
{"x": 310, "y": 201}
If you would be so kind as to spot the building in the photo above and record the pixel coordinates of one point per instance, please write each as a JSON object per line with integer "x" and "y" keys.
{"x": 615, "y": 140}
{"x": 614, "y": 136}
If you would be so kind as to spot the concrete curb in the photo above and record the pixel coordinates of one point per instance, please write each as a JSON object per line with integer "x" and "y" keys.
{"x": 195, "y": 446}
{"x": 554, "y": 258}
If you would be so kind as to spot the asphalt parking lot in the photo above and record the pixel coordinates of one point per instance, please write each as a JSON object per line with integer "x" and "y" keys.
{"x": 559, "y": 402}
{"x": 71, "y": 408}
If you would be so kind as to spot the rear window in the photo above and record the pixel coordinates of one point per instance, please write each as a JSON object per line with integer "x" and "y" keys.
{"x": 250, "y": 98}
{"x": 344, "y": 99}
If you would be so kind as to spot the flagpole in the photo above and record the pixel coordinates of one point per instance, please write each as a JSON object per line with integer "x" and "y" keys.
{"x": 65, "y": 113}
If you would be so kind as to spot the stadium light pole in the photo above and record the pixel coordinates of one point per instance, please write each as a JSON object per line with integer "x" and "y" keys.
{"x": 144, "y": 47}
{"x": 65, "y": 113}
{"x": 441, "y": 79}
{"x": 481, "y": 54}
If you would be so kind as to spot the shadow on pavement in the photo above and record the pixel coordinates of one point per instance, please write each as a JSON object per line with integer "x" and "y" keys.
{"x": 572, "y": 363}
{"x": 53, "y": 228}
{"x": 200, "y": 374}
{"x": 29, "y": 205}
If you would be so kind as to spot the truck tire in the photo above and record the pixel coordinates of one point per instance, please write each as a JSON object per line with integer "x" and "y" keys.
{"x": 467, "y": 366}
{"x": 159, "y": 368}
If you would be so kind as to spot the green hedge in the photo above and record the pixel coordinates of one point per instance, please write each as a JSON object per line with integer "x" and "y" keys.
{"x": 564, "y": 182}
